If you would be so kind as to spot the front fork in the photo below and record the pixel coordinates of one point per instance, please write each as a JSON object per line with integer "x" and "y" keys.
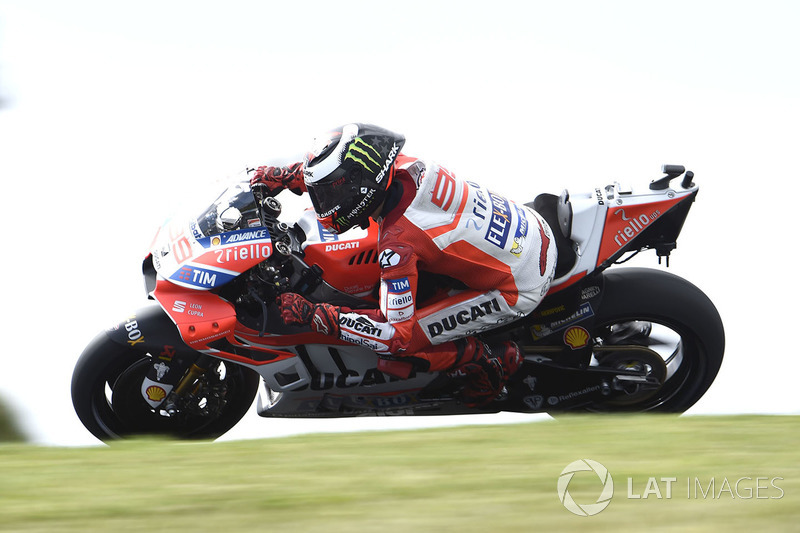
{"x": 171, "y": 379}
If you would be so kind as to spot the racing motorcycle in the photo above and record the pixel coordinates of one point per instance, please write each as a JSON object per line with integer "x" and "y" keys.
{"x": 190, "y": 363}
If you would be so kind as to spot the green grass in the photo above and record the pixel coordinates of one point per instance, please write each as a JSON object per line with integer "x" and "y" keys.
{"x": 476, "y": 478}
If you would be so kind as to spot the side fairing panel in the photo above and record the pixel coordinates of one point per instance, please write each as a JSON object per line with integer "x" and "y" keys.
{"x": 349, "y": 260}
{"x": 609, "y": 222}
{"x": 201, "y": 317}
{"x": 625, "y": 221}
{"x": 187, "y": 258}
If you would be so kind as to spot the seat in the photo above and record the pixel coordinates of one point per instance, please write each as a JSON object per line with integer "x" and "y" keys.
{"x": 547, "y": 205}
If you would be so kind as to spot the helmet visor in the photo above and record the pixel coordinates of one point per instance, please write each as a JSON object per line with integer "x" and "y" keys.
{"x": 330, "y": 198}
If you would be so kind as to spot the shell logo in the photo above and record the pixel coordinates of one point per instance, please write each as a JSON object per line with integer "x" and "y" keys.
{"x": 576, "y": 337}
{"x": 155, "y": 393}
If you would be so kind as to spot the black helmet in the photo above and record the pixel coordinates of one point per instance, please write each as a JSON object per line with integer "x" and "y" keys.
{"x": 348, "y": 172}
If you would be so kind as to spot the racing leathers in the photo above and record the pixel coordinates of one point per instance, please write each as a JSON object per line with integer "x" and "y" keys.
{"x": 502, "y": 254}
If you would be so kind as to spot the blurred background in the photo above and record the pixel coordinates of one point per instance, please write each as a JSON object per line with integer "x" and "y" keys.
{"x": 113, "y": 115}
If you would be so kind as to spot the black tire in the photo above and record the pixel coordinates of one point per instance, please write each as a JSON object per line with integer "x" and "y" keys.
{"x": 684, "y": 313}
{"x": 106, "y": 397}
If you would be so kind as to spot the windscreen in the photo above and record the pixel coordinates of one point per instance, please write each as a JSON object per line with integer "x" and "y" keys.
{"x": 234, "y": 209}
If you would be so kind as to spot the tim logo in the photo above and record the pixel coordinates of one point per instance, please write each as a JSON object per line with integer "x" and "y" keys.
{"x": 399, "y": 303}
{"x": 398, "y": 285}
{"x": 197, "y": 276}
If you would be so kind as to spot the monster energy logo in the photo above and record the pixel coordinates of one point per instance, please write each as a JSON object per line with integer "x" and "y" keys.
{"x": 363, "y": 154}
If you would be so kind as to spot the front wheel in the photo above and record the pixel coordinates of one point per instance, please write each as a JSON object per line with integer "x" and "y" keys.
{"x": 107, "y": 397}
{"x": 662, "y": 325}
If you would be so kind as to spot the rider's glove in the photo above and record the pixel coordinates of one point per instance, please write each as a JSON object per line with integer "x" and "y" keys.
{"x": 296, "y": 310}
{"x": 276, "y": 179}
{"x": 485, "y": 370}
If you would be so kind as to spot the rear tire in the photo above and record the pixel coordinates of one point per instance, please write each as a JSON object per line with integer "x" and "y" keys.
{"x": 680, "y": 313}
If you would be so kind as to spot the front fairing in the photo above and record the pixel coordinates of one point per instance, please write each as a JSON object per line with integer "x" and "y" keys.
{"x": 209, "y": 250}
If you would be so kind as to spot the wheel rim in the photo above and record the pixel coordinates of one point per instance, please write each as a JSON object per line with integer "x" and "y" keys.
{"x": 111, "y": 404}
{"x": 680, "y": 353}
{"x": 204, "y": 408}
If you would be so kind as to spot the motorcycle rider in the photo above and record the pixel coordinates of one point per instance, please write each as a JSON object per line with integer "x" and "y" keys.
{"x": 501, "y": 252}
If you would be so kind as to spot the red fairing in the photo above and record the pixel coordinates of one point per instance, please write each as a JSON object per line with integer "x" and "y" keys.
{"x": 202, "y": 317}
{"x": 624, "y": 223}
{"x": 350, "y": 265}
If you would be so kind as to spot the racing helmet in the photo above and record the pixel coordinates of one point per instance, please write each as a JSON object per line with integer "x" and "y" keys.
{"x": 348, "y": 172}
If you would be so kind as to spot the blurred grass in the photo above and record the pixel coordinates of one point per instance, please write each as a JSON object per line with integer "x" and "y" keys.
{"x": 476, "y": 478}
{"x": 9, "y": 428}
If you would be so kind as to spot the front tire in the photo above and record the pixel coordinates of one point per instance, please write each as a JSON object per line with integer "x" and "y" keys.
{"x": 107, "y": 399}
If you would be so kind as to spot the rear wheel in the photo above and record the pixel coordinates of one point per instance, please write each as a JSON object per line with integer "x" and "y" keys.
{"x": 106, "y": 394}
{"x": 664, "y": 327}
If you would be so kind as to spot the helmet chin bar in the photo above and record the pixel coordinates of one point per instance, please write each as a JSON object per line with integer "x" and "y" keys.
{"x": 376, "y": 215}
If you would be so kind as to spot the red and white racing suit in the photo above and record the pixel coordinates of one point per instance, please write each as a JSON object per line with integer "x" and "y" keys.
{"x": 502, "y": 251}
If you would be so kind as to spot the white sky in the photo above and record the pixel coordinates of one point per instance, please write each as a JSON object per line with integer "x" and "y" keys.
{"x": 117, "y": 113}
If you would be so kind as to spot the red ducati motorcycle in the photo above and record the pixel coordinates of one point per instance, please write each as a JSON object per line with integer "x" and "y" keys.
{"x": 190, "y": 363}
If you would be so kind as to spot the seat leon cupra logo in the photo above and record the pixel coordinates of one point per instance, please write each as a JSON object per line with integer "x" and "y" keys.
{"x": 582, "y": 468}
